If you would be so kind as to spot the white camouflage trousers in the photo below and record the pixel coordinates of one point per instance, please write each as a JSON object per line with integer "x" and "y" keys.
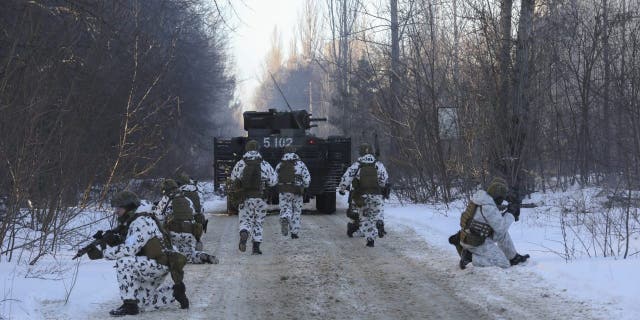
{"x": 251, "y": 214}
{"x": 369, "y": 214}
{"x": 291, "y": 209}
{"x": 185, "y": 243}
{"x": 495, "y": 251}
{"x": 141, "y": 278}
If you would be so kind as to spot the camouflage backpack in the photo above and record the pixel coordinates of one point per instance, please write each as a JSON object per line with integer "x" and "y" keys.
{"x": 181, "y": 209}
{"x": 195, "y": 199}
{"x": 473, "y": 232}
{"x": 368, "y": 180}
{"x": 251, "y": 180}
{"x": 287, "y": 177}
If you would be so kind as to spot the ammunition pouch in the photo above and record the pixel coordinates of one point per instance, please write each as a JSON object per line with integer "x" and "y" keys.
{"x": 476, "y": 233}
{"x": 248, "y": 194}
{"x": 153, "y": 250}
{"x": 290, "y": 188}
{"x": 200, "y": 219}
{"x": 177, "y": 226}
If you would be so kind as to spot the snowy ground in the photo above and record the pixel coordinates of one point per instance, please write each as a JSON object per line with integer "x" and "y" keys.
{"x": 612, "y": 284}
{"x": 588, "y": 287}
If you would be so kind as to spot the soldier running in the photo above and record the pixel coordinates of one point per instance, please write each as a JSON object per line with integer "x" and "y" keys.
{"x": 252, "y": 175}
{"x": 176, "y": 210}
{"x": 367, "y": 178}
{"x": 293, "y": 178}
{"x": 141, "y": 263}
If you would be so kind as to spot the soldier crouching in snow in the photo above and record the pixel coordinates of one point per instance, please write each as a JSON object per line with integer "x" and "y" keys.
{"x": 293, "y": 178}
{"x": 484, "y": 238}
{"x": 190, "y": 189}
{"x": 142, "y": 263}
{"x": 250, "y": 176}
{"x": 367, "y": 178}
{"x": 177, "y": 212}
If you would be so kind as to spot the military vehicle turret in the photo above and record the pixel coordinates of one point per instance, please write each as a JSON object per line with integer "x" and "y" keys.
{"x": 326, "y": 158}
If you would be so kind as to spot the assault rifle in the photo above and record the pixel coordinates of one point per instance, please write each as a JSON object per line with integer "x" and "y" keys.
{"x": 101, "y": 238}
{"x": 514, "y": 205}
{"x": 386, "y": 190}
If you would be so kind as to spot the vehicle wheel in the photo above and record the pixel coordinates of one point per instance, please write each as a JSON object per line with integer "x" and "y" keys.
{"x": 326, "y": 202}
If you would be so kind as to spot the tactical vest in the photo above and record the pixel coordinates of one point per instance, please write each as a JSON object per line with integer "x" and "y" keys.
{"x": 287, "y": 177}
{"x": 367, "y": 183}
{"x": 181, "y": 209}
{"x": 251, "y": 180}
{"x": 195, "y": 199}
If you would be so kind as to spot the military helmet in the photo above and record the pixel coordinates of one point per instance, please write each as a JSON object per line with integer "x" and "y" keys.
{"x": 365, "y": 149}
{"x": 499, "y": 180}
{"x": 183, "y": 178}
{"x": 169, "y": 185}
{"x": 251, "y": 145}
{"x": 498, "y": 189}
{"x": 125, "y": 199}
{"x": 289, "y": 149}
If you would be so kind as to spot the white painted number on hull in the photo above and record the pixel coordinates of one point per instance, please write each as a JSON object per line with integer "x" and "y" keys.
{"x": 275, "y": 142}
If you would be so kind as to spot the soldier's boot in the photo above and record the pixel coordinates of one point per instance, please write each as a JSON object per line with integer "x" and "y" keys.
{"x": 465, "y": 258}
{"x": 208, "y": 258}
{"x": 351, "y": 228}
{"x": 256, "y": 248}
{"x": 128, "y": 307}
{"x": 284, "y": 226}
{"x": 370, "y": 243}
{"x": 519, "y": 259}
{"x": 380, "y": 226}
{"x": 199, "y": 246}
{"x": 180, "y": 293}
{"x": 244, "y": 236}
{"x": 294, "y": 236}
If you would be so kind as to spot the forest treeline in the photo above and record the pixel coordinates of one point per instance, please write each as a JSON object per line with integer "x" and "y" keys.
{"x": 97, "y": 92}
{"x": 541, "y": 92}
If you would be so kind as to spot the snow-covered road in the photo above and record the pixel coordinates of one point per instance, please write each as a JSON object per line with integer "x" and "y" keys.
{"x": 326, "y": 275}
{"x": 411, "y": 274}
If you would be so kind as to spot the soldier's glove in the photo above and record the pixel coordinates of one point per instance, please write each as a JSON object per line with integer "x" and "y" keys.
{"x": 111, "y": 238}
{"x": 342, "y": 192}
{"x": 94, "y": 253}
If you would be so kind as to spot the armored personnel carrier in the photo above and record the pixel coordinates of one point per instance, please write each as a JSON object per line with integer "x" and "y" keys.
{"x": 326, "y": 158}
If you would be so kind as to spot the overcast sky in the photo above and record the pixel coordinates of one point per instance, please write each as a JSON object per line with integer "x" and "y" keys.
{"x": 250, "y": 42}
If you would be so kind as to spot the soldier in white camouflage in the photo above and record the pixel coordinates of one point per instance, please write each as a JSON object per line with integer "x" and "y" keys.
{"x": 251, "y": 176}
{"x": 367, "y": 177}
{"x": 190, "y": 189}
{"x": 141, "y": 263}
{"x": 176, "y": 210}
{"x": 293, "y": 178}
{"x": 484, "y": 237}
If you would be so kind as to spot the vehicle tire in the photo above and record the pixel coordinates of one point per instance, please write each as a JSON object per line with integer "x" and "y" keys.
{"x": 326, "y": 202}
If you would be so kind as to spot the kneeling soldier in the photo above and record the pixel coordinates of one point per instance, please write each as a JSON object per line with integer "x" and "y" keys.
{"x": 177, "y": 210}
{"x": 190, "y": 189}
{"x": 142, "y": 259}
{"x": 484, "y": 238}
